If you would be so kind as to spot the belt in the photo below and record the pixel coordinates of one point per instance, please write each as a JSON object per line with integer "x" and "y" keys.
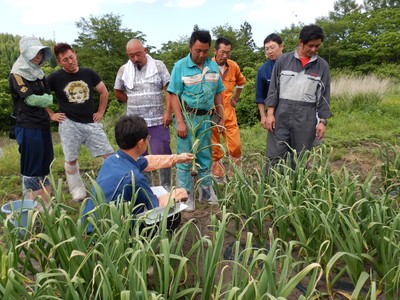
{"x": 196, "y": 111}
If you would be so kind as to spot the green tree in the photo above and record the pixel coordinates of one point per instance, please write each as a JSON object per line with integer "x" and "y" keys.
{"x": 6, "y": 105}
{"x": 172, "y": 51}
{"x": 101, "y": 45}
{"x": 376, "y": 4}
{"x": 244, "y": 50}
{"x": 227, "y": 31}
{"x": 9, "y": 52}
{"x": 245, "y": 35}
{"x": 246, "y": 109}
{"x": 249, "y": 58}
{"x": 290, "y": 36}
{"x": 362, "y": 41}
{"x": 344, "y": 7}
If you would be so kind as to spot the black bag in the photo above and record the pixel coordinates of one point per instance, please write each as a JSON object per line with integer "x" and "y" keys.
{"x": 13, "y": 124}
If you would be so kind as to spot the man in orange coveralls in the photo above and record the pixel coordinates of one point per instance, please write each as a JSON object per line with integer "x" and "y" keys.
{"x": 231, "y": 78}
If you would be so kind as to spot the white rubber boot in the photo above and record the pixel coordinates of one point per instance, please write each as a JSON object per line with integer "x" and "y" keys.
{"x": 190, "y": 203}
{"x": 207, "y": 194}
{"x": 75, "y": 183}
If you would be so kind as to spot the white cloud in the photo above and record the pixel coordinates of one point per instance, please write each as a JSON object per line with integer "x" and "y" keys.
{"x": 50, "y": 12}
{"x": 240, "y": 6}
{"x": 134, "y": 1}
{"x": 266, "y": 17}
{"x": 54, "y": 12}
{"x": 184, "y": 3}
{"x": 286, "y": 12}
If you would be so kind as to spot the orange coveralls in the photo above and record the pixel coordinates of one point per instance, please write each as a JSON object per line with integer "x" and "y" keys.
{"x": 231, "y": 78}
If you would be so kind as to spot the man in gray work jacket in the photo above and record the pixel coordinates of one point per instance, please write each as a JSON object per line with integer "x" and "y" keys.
{"x": 298, "y": 98}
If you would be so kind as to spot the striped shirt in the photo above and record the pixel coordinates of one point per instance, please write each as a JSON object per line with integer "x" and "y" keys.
{"x": 146, "y": 97}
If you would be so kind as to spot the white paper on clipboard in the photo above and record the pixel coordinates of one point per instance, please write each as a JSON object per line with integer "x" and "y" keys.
{"x": 156, "y": 214}
{"x": 158, "y": 190}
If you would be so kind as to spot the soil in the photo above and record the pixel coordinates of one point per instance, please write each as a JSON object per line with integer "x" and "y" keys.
{"x": 201, "y": 217}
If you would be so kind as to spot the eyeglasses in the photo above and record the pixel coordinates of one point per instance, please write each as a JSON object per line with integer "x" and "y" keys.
{"x": 227, "y": 53}
{"x": 266, "y": 49}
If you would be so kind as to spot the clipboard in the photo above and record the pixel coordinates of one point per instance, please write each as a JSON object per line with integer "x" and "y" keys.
{"x": 156, "y": 214}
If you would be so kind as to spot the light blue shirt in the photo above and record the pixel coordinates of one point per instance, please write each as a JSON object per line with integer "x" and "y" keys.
{"x": 196, "y": 87}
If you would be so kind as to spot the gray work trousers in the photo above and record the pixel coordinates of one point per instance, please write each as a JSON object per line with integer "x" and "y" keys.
{"x": 295, "y": 127}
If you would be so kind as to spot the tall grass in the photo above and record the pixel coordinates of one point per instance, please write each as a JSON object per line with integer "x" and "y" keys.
{"x": 359, "y": 85}
{"x": 390, "y": 170}
{"x": 55, "y": 258}
{"x": 355, "y": 221}
{"x": 310, "y": 228}
{"x": 295, "y": 223}
{"x": 358, "y": 93}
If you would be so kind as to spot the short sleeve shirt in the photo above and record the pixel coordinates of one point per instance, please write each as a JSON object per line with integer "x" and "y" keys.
{"x": 194, "y": 86}
{"x": 74, "y": 93}
{"x": 145, "y": 98}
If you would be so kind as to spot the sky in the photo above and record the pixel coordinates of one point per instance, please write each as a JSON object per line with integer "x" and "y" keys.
{"x": 160, "y": 20}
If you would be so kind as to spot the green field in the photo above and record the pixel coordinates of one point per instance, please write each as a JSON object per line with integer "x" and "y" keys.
{"x": 329, "y": 229}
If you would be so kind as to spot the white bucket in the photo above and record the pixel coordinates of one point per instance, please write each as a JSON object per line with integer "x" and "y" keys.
{"x": 17, "y": 211}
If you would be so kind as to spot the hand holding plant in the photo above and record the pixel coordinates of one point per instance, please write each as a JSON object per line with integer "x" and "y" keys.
{"x": 185, "y": 157}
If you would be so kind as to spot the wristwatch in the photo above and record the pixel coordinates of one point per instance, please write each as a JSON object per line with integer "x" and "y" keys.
{"x": 323, "y": 121}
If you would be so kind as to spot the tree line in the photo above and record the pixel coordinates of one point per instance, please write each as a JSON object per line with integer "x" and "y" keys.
{"x": 360, "y": 39}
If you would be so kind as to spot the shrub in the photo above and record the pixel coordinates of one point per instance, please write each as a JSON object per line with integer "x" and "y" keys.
{"x": 246, "y": 109}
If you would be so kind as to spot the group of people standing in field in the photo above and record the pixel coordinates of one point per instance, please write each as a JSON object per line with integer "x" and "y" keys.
{"x": 292, "y": 94}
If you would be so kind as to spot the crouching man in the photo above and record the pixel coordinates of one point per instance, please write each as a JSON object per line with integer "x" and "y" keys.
{"x": 121, "y": 173}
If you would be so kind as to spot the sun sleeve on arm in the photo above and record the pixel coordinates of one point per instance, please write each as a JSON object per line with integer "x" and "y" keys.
{"x": 156, "y": 162}
{"x": 44, "y": 100}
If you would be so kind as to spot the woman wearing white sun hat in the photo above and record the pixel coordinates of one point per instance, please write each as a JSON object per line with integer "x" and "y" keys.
{"x": 30, "y": 95}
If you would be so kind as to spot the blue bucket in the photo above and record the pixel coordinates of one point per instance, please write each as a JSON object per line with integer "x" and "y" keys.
{"x": 17, "y": 211}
